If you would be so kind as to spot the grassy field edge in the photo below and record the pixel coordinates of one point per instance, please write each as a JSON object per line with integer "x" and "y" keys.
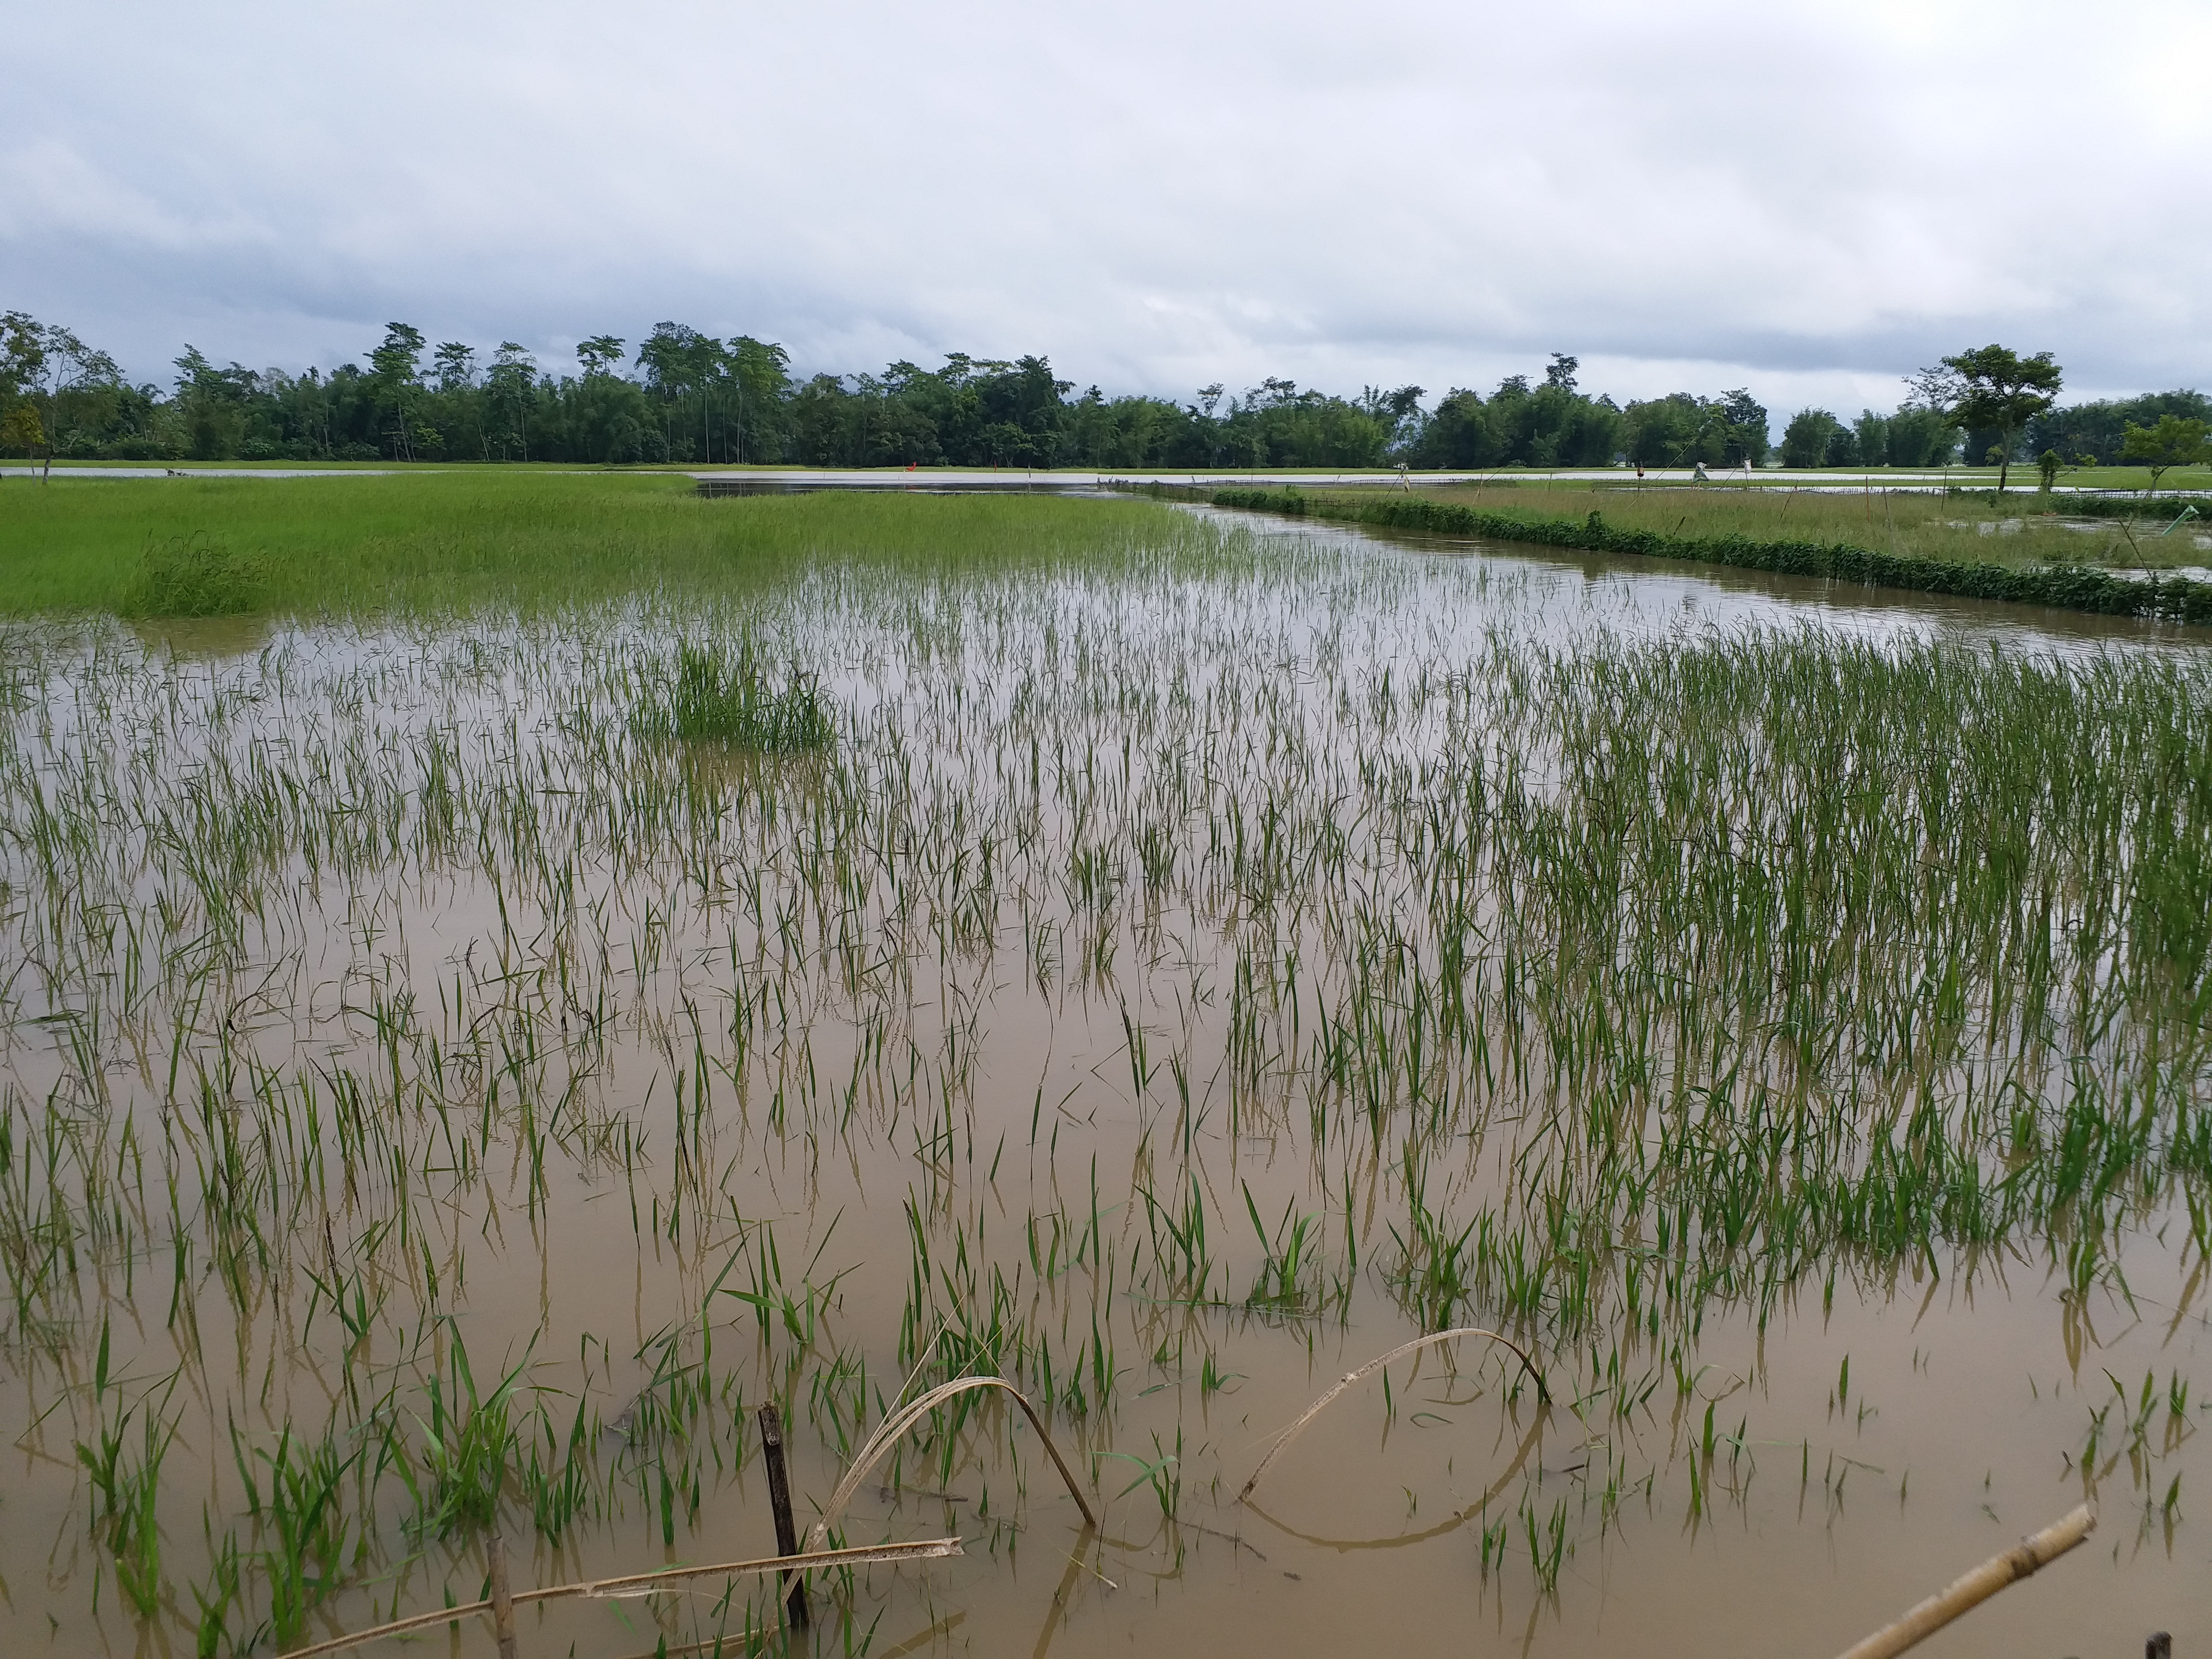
{"x": 2169, "y": 598}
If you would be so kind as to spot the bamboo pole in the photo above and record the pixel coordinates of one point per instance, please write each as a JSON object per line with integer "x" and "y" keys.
{"x": 2030, "y": 1555}
{"x": 647, "y": 1583}
{"x": 502, "y": 1600}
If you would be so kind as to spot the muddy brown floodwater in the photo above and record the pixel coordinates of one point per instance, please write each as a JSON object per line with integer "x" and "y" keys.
{"x": 434, "y": 1102}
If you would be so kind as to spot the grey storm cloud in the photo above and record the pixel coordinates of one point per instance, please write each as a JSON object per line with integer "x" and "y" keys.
{"x": 1811, "y": 199}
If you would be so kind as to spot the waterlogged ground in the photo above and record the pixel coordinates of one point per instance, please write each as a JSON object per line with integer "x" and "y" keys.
{"x": 432, "y": 1101}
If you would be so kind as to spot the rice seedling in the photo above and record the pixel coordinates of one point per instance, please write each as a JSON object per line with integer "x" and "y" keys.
{"x": 127, "y": 1494}
{"x": 726, "y": 698}
{"x": 193, "y": 576}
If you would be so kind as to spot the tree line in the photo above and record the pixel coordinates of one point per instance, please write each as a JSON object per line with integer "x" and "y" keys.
{"x": 2079, "y": 435}
{"x": 684, "y": 395}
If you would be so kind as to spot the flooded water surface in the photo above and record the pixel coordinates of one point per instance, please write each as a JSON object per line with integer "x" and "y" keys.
{"x": 456, "y": 1074}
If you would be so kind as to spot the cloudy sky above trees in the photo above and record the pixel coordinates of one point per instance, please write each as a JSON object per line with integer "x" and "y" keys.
{"x": 1812, "y": 198}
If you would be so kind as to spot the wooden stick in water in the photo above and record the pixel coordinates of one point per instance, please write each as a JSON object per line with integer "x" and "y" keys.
{"x": 778, "y": 1498}
{"x": 502, "y": 1602}
{"x": 2029, "y": 1556}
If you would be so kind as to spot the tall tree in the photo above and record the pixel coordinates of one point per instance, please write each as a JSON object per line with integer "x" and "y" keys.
{"x": 681, "y": 365}
{"x": 1805, "y": 441}
{"x": 212, "y": 402}
{"x": 760, "y": 374}
{"x": 608, "y": 417}
{"x": 398, "y": 367}
{"x": 1742, "y": 420}
{"x": 47, "y": 369}
{"x": 24, "y": 368}
{"x": 599, "y": 354}
{"x": 509, "y": 384}
{"x": 1992, "y": 388}
{"x": 459, "y": 407}
{"x": 455, "y": 365}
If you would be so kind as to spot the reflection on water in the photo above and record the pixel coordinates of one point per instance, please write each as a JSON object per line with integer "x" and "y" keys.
{"x": 1171, "y": 990}
{"x": 203, "y": 637}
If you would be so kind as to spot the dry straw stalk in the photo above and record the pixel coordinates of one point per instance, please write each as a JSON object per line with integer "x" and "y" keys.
{"x": 2027, "y": 1557}
{"x": 1313, "y": 1411}
{"x": 648, "y": 1583}
{"x": 879, "y": 1443}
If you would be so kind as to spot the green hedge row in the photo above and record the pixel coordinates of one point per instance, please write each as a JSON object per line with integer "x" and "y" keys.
{"x": 2171, "y": 598}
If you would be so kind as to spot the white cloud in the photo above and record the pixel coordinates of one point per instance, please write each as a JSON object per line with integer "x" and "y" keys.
{"x": 1811, "y": 199}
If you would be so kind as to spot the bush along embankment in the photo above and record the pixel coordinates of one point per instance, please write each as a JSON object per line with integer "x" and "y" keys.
{"x": 2168, "y": 599}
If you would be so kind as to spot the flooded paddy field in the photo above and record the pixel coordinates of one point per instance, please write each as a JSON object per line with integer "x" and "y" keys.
{"x": 456, "y": 1071}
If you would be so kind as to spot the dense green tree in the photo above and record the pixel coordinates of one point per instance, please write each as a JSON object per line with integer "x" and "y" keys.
{"x": 1805, "y": 439}
{"x": 2095, "y": 431}
{"x": 1681, "y": 430}
{"x": 1992, "y": 389}
{"x": 510, "y": 389}
{"x": 1919, "y": 436}
{"x": 1743, "y": 428}
{"x": 1555, "y": 424}
{"x": 20, "y": 428}
{"x": 760, "y": 382}
{"x": 599, "y": 355}
{"x": 53, "y": 384}
{"x": 2175, "y": 440}
{"x": 1138, "y": 432}
{"x": 1458, "y": 434}
{"x": 212, "y": 404}
{"x": 1871, "y": 432}
{"x": 396, "y": 370}
{"x": 683, "y": 371}
{"x": 1675, "y": 430}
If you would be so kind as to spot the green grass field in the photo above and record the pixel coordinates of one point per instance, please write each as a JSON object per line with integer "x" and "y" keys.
{"x": 2030, "y": 529}
{"x": 428, "y": 542}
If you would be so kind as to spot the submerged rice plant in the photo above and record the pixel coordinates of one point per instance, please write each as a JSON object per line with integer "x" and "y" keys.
{"x": 719, "y": 696}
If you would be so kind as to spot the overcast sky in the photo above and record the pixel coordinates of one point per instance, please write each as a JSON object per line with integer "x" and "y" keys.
{"x": 1810, "y": 198}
